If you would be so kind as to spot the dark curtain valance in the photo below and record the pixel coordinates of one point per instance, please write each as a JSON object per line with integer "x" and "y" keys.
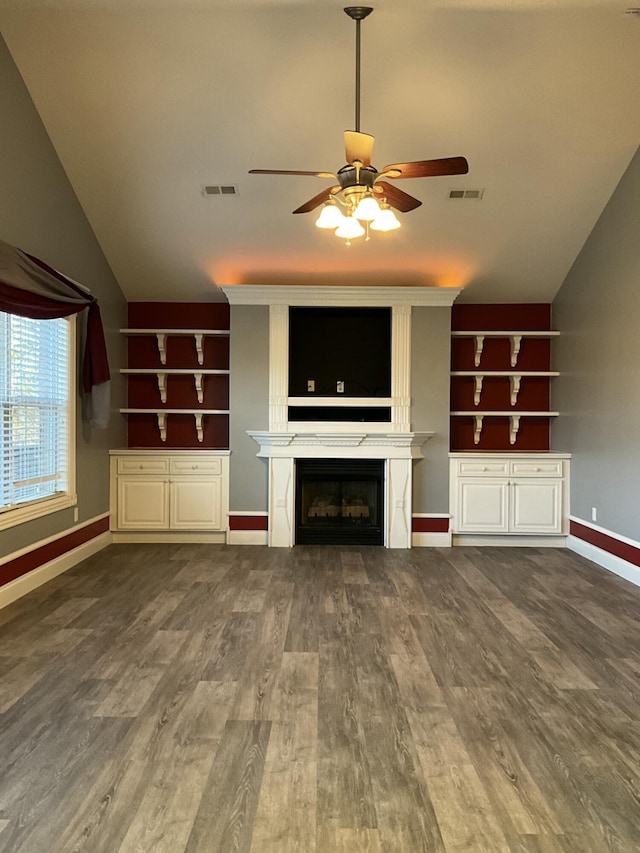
{"x": 31, "y": 288}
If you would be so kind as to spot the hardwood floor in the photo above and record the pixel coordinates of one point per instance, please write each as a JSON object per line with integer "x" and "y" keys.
{"x": 169, "y": 698}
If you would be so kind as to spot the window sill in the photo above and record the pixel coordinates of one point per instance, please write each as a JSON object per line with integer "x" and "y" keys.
{"x": 36, "y": 509}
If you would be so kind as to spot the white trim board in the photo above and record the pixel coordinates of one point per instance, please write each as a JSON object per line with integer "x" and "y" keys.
{"x": 248, "y": 537}
{"x": 282, "y": 294}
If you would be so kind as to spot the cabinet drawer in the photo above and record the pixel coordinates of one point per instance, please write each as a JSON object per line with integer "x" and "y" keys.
{"x": 536, "y": 468}
{"x": 142, "y": 465}
{"x": 484, "y": 467}
{"x": 196, "y": 466}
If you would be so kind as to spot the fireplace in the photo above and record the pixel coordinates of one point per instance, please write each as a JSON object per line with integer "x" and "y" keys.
{"x": 339, "y": 501}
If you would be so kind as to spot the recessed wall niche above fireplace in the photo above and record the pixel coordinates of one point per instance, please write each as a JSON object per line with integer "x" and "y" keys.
{"x": 342, "y": 353}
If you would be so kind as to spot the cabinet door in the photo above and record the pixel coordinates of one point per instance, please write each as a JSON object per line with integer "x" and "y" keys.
{"x": 536, "y": 505}
{"x": 483, "y": 505}
{"x": 196, "y": 503}
{"x": 143, "y": 503}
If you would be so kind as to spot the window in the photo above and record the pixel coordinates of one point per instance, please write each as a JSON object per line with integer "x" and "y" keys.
{"x": 37, "y": 434}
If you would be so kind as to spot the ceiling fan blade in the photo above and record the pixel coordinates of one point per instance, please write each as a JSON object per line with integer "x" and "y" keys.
{"x": 316, "y": 201}
{"x": 290, "y": 172}
{"x": 358, "y": 146}
{"x": 399, "y": 199}
{"x": 430, "y": 168}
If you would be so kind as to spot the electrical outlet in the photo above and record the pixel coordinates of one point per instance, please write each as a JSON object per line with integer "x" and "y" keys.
{"x": 76, "y": 514}
{"x": 311, "y": 384}
{"x": 340, "y": 386}
{"x": 594, "y": 513}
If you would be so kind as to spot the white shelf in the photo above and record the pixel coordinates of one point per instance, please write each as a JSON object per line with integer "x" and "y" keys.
{"x": 162, "y": 377}
{"x": 515, "y": 377}
{"x": 514, "y": 418}
{"x": 161, "y": 415}
{"x": 161, "y": 336}
{"x": 514, "y": 337}
{"x": 369, "y": 402}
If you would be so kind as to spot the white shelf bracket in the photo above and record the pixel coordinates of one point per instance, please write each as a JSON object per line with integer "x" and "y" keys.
{"x": 477, "y": 432}
{"x": 515, "y": 426}
{"x": 478, "y": 391}
{"x": 162, "y": 425}
{"x": 199, "y": 429}
{"x": 197, "y": 378}
{"x": 198, "y": 339}
{"x": 162, "y": 347}
{"x": 162, "y": 386}
{"x": 479, "y": 339}
{"x": 515, "y": 387}
{"x": 516, "y": 341}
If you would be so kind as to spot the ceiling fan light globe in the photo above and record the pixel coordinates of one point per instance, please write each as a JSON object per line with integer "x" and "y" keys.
{"x": 368, "y": 209}
{"x": 350, "y": 229}
{"x": 385, "y": 221}
{"x": 330, "y": 217}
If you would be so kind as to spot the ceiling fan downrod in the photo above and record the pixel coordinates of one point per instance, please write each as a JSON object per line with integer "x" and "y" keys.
{"x": 358, "y": 14}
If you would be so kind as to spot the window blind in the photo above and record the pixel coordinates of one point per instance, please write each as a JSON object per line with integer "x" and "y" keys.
{"x": 34, "y": 405}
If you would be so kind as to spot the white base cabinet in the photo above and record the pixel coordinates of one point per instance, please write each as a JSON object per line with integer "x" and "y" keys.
{"x": 182, "y": 494}
{"x": 509, "y": 494}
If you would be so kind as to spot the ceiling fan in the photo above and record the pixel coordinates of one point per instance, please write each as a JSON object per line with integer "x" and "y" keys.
{"x": 362, "y": 192}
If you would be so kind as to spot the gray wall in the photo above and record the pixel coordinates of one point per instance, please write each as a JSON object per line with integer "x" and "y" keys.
{"x": 40, "y": 213}
{"x": 597, "y": 311}
{"x": 248, "y": 404}
{"x": 430, "y": 366}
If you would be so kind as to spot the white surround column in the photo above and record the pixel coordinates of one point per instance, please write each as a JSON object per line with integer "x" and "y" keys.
{"x": 281, "y": 502}
{"x": 398, "y": 489}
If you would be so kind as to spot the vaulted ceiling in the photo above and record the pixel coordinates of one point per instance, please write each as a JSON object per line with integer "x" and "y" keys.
{"x": 147, "y": 101}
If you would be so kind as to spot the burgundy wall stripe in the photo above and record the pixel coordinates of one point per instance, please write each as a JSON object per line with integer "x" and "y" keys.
{"x": 610, "y": 544}
{"x": 45, "y": 553}
{"x": 248, "y": 522}
{"x": 429, "y": 525}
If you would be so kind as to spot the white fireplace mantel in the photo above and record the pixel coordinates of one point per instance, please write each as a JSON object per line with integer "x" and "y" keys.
{"x": 397, "y": 449}
{"x": 393, "y": 441}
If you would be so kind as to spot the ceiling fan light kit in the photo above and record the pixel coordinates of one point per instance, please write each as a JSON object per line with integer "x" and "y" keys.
{"x": 362, "y": 195}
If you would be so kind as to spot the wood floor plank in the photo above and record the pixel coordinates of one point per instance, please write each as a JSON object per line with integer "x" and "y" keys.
{"x": 286, "y": 817}
{"x": 225, "y": 819}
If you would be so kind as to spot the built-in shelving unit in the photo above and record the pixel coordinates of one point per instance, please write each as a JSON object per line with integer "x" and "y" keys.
{"x": 191, "y": 373}
{"x": 501, "y": 376}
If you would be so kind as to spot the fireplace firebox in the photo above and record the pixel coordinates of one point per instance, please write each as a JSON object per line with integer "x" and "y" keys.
{"x": 339, "y": 502}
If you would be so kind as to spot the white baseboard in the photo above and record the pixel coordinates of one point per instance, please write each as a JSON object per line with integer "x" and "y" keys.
{"x": 509, "y": 541}
{"x": 177, "y": 538}
{"x": 431, "y": 540}
{"x": 15, "y": 589}
{"x": 603, "y": 558}
{"x": 248, "y": 537}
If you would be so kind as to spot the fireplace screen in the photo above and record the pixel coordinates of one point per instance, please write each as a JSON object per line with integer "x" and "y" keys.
{"x": 339, "y": 501}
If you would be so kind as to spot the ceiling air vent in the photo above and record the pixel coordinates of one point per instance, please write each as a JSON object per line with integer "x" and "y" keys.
{"x": 220, "y": 189}
{"x": 475, "y": 194}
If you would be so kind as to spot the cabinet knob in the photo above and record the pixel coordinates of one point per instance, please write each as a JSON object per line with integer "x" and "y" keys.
{"x": 194, "y": 467}
{"x": 141, "y": 467}
{"x": 484, "y": 468}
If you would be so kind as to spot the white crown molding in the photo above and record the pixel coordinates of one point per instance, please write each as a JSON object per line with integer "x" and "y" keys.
{"x": 267, "y": 294}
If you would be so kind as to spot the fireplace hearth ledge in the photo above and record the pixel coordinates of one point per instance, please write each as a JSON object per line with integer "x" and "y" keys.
{"x": 398, "y": 449}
